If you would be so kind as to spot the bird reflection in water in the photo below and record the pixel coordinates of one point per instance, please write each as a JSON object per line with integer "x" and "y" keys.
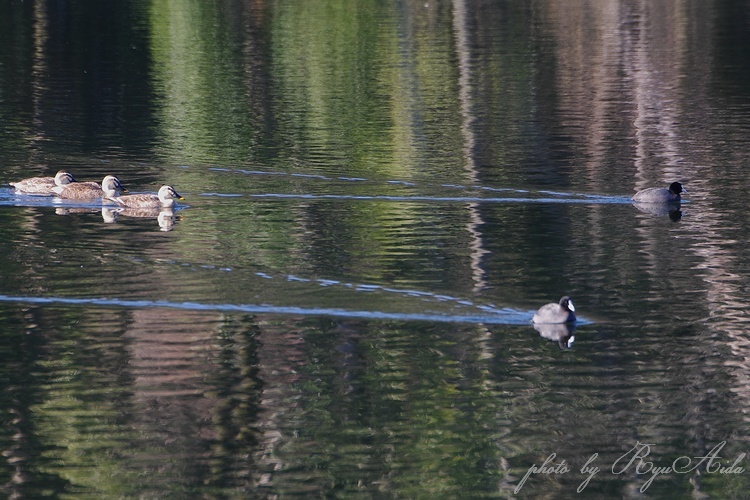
{"x": 562, "y": 333}
{"x": 670, "y": 209}
{"x": 75, "y": 210}
{"x": 164, "y": 216}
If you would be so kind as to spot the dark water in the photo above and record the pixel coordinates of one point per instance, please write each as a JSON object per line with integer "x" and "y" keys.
{"x": 377, "y": 199}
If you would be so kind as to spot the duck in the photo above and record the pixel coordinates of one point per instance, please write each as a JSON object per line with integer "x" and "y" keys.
{"x": 552, "y": 313}
{"x": 660, "y": 195}
{"x": 43, "y": 185}
{"x": 110, "y": 187}
{"x": 165, "y": 198}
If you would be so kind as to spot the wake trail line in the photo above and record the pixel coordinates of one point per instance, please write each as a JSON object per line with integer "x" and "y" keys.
{"x": 508, "y": 318}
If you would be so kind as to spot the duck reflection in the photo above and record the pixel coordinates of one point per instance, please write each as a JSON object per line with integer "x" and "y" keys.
{"x": 109, "y": 215}
{"x": 562, "y": 333}
{"x": 75, "y": 210}
{"x": 670, "y": 209}
{"x": 164, "y": 216}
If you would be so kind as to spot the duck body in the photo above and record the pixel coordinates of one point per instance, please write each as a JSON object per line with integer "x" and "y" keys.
{"x": 43, "y": 185}
{"x": 660, "y": 195}
{"x": 165, "y": 198}
{"x": 552, "y": 313}
{"x": 109, "y": 187}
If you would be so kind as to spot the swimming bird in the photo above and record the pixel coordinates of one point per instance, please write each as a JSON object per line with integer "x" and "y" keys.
{"x": 556, "y": 313}
{"x": 165, "y": 198}
{"x": 660, "y": 195}
{"x": 43, "y": 185}
{"x": 110, "y": 187}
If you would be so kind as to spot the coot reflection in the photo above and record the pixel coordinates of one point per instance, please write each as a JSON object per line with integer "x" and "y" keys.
{"x": 670, "y": 209}
{"x": 562, "y": 333}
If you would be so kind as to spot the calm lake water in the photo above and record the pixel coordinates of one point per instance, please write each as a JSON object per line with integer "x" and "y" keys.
{"x": 378, "y": 195}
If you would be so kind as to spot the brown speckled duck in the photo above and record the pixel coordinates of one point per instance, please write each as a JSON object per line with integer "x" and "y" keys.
{"x": 110, "y": 187}
{"x": 164, "y": 198}
{"x": 43, "y": 185}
